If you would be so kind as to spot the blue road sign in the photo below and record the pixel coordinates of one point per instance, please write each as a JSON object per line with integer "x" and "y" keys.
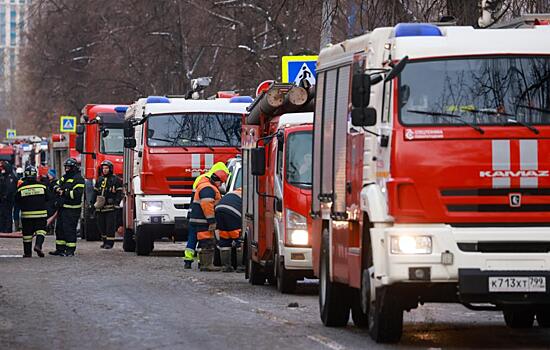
{"x": 67, "y": 124}
{"x": 296, "y": 68}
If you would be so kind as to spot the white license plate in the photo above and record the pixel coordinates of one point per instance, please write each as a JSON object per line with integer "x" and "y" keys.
{"x": 517, "y": 284}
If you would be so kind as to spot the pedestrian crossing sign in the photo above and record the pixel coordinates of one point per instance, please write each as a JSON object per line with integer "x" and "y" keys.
{"x": 68, "y": 123}
{"x": 11, "y": 134}
{"x": 297, "y": 68}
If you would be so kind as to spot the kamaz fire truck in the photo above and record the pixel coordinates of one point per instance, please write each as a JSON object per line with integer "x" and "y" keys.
{"x": 431, "y": 175}
{"x": 168, "y": 143}
{"x": 277, "y": 187}
{"x": 99, "y": 137}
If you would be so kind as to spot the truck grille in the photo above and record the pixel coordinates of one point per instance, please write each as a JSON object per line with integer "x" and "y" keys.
{"x": 505, "y": 247}
{"x": 489, "y": 200}
{"x": 180, "y": 183}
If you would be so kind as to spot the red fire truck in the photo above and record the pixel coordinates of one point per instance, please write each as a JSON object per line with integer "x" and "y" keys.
{"x": 277, "y": 191}
{"x": 431, "y": 176}
{"x": 168, "y": 143}
{"x": 99, "y": 137}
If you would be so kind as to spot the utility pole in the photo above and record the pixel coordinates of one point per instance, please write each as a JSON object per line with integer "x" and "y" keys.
{"x": 327, "y": 17}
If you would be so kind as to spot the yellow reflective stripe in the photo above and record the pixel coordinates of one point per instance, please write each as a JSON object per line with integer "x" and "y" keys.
{"x": 34, "y": 215}
{"x": 27, "y": 238}
{"x": 60, "y": 242}
{"x": 71, "y": 245}
{"x": 68, "y": 206}
{"x": 110, "y": 238}
{"x": 40, "y": 233}
{"x": 31, "y": 186}
{"x": 35, "y": 212}
{"x": 78, "y": 186}
{"x": 69, "y": 180}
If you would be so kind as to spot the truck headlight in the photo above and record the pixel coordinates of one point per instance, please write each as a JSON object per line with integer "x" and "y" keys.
{"x": 151, "y": 206}
{"x": 411, "y": 244}
{"x": 296, "y": 228}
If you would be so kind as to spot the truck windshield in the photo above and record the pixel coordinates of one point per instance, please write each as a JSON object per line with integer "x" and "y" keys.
{"x": 298, "y": 158}
{"x": 112, "y": 141}
{"x": 492, "y": 90}
{"x": 194, "y": 130}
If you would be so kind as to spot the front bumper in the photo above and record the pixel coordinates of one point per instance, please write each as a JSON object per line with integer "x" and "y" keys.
{"x": 392, "y": 268}
{"x": 297, "y": 258}
{"x": 174, "y": 211}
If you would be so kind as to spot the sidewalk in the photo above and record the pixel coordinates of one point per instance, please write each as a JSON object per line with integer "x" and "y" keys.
{"x": 11, "y": 235}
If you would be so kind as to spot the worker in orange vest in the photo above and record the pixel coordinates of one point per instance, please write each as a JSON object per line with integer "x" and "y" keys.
{"x": 203, "y": 217}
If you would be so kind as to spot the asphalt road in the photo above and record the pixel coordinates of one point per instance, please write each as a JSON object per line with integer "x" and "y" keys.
{"x": 114, "y": 300}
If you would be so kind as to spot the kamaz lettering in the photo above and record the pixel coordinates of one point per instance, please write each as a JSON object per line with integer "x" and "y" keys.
{"x": 511, "y": 173}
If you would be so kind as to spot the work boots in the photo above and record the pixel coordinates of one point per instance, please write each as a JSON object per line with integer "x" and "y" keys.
{"x": 104, "y": 242}
{"x": 240, "y": 263}
{"x": 225, "y": 258}
{"x": 27, "y": 249}
{"x": 38, "y": 245}
{"x": 206, "y": 258}
{"x": 59, "y": 249}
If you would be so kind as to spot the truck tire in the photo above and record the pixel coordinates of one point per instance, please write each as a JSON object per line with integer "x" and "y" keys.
{"x": 143, "y": 240}
{"x": 129, "y": 243}
{"x": 543, "y": 316}
{"x": 518, "y": 317}
{"x": 385, "y": 317}
{"x": 286, "y": 283}
{"x": 256, "y": 275}
{"x": 334, "y": 304}
{"x": 360, "y": 318}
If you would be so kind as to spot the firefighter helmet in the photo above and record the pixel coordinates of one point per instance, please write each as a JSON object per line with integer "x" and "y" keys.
{"x": 70, "y": 162}
{"x": 30, "y": 172}
{"x": 107, "y": 163}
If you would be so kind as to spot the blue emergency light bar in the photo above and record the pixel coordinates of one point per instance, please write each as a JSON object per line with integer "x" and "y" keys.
{"x": 121, "y": 109}
{"x": 417, "y": 29}
{"x": 241, "y": 99}
{"x": 157, "y": 99}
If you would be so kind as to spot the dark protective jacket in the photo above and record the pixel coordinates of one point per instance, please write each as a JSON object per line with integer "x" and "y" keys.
{"x": 72, "y": 186}
{"x": 202, "y": 209}
{"x": 32, "y": 198}
{"x": 8, "y": 186}
{"x": 228, "y": 215}
{"x": 110, "y": 187}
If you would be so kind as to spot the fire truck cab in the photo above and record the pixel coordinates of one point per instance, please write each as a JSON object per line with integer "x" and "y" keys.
{"x": 168, "y": 143}
{"x": 277, "y": 197}
{"x": 431, "y": 177}
{"x": 99, "y": 138}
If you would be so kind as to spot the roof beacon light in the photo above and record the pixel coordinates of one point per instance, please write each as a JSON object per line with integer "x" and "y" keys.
{"x": 157, "y": 99}
{"x": 121, "y": 109}
{"x": 241, "y": 99}
{"x": 416, "y": 29}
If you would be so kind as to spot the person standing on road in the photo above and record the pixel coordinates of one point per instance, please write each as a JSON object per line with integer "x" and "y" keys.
{"x": 203, "y": 217}
{"x": 31, "y": 198}
{"x": 8, "y": 188}
{"x": 69, "y": 190}
{"x": 228, "y": 223}
{"x": 191, "y": 228}
{"x": 108, "y": 190}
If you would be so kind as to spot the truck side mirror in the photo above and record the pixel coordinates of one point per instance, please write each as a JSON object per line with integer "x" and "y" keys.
{"x": 360, "y": 90}
{"x": 397, "y": 69}
{"x": 129, "y": 130}
{"x": 257, "y": 161}
{"x": 79, "y": 141}
{"x": 130, "y": 142}
{"x": 80, "y": 129}
{"x": 363, "y": 116}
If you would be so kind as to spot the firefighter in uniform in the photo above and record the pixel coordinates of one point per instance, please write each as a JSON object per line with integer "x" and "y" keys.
{"x": 228, "y": 224}
{"x": 191, "y": 229}
{"x": 108, "y": 190}
{"x": 203, "y": 217}
{"x": 31, "y": 198}
{"x": 69, "y": 190}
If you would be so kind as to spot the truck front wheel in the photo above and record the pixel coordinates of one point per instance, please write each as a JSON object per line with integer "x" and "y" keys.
{"x": 144, "y": 244}
{"x": 333, "y": 297}
{"x": 385, "y": 317}
{"x": 517, "y": 317}
{"x": 286, "y": 283}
